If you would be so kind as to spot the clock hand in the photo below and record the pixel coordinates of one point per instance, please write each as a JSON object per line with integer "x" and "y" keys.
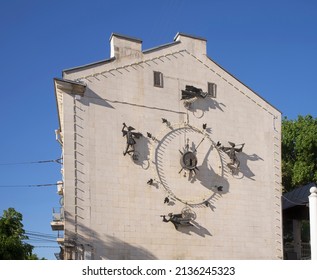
{"x": 199, "y": 144}
{"x": 187, "y": 145}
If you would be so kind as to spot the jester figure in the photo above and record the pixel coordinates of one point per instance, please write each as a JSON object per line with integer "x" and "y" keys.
{"x": 232, "y": 153}
{"x": 127, "y": 132}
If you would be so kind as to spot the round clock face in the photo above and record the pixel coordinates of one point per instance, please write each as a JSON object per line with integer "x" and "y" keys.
{"x": 189, "y": 160}
{"x": 188, "y": 164}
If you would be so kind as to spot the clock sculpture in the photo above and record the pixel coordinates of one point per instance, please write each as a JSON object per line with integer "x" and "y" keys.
{"x": 188, "y": 163}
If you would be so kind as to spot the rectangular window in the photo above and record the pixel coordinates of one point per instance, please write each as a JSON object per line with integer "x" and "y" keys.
{"x": 212, "y": 90}
{"x": 158, "y": 79}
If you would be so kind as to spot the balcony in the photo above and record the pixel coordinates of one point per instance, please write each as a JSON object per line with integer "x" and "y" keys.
{"x": 58, "y": 219}
{"x": 60, "y": 188}
{"x": 60, "y": 237}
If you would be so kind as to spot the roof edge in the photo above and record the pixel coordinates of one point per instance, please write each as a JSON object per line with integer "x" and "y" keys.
{"x": 134, "y": 39}
{"x": 189, "y": 36}
{"x": 106, "y": 61}
{"x": 161, "y": 47}
{"x": 233, "y": 76}
{"x": 79, "y": 83}
{"x": 76, "y": 87}
{"x": 101, "y": 62}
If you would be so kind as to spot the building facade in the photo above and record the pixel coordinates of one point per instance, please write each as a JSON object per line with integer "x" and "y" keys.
{"x": 166, "y": 156}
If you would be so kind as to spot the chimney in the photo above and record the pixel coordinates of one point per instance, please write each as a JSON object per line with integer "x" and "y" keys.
{"x": 195, "y": 45}
{"x": 121, "y": 46}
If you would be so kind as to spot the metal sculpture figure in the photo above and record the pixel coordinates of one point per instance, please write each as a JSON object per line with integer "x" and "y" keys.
{"x": 127, "y": 132}
{"x": 192, "y": 92}
{"x": 183, "y": 219}
{"x": 232, "y": 153}
{"x": 177, "y": 220}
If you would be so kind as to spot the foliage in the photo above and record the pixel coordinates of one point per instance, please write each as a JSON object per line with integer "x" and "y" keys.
{"x": 299, "y": 151}
{"x": 12, "y": 236}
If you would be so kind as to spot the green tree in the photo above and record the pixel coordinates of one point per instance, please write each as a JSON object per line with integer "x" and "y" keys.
{"x": 12, "y": 236}
{"x": 299, "y": 151}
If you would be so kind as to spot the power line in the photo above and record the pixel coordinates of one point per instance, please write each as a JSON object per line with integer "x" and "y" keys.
{"x": 29, "y": 232}
{"x": 30, "y": 240}
{"x": 42, "y": 246}
{"x": 59, "y": 160}
{"x": 30, "y": 186}
{"x": 39, "y": 238}
{"x": 35, "y": 237}
{"x": 46, "y": 246}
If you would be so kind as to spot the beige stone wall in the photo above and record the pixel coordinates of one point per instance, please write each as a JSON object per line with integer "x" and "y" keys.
{"x": 113, "y": 213}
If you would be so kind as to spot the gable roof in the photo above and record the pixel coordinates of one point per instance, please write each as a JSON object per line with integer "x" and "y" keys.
{"x": 156, "y": 49}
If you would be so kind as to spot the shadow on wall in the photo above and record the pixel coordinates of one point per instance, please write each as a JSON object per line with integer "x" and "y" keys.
{"x": 203, "y": 105}
{"x": 92, "y": 97}
{"x": 244, "y": 168}
{"x": 121, "y": 250}
{"x": 142, "y": 152}
{"x": 102, "y": 247}
{"x": 195, "y": 228}
{"x": 216, "y": 179}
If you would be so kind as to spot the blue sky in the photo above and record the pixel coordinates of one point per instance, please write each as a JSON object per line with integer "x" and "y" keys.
{"x": 271, "y": 46}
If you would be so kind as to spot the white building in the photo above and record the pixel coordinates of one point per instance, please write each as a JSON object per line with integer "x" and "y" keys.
{"x": 120, "y": 184}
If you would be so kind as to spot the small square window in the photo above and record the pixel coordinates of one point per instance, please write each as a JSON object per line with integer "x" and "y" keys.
{"x": 212, "y": 90}
{"x": 158, "y": 79}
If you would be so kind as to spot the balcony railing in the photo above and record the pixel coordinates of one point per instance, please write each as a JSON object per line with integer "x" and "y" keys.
{"x": 290, "y": 254}
{"x": 58, "y": 219}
